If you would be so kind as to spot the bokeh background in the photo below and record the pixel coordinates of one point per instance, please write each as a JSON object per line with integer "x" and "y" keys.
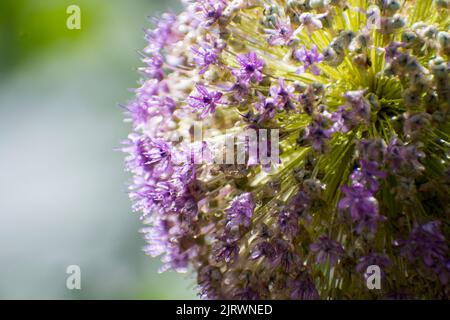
{"x": 63, "y": 189}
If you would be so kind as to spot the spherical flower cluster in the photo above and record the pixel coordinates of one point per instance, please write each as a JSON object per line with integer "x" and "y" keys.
{"x": 359, "y": 93}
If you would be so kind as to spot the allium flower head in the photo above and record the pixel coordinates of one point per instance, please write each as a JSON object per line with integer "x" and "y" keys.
{"x": 349, "y": 101}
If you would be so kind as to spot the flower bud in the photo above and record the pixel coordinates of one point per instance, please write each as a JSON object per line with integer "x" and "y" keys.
{"x": 392, "y": 5}
{"x": 409, "y": 37}
{"x": 317, "y": 4}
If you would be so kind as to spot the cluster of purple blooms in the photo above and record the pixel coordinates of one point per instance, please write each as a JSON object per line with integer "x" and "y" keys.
{"x": 309, "y": 59}
{"x": 325, "y": 248}
{"x": 238, "y": 217}
{"x": 359, "y": 197}
{"x": 363, "y": 177}
{"x": 427, "y": 245}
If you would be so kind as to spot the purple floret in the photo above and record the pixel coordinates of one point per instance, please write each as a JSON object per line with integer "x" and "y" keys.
{"x": 251, "y": 68}
{"x": 206, "y": 102}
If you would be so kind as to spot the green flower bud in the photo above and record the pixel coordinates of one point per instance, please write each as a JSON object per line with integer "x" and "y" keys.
{"x": 430, "y": 32}
{"x": 443, "y": 39}
{"x": 271, "y": 9}
{"x": 442, "y": 3}
{"x": 409, "y": 37}
{"x": 439, "y": 67}
{"x": 397, "y": 22}
{"x": 316, "y": 4}
{"x": 359, "y": 43}
{"x": 411, "y": 98}
{"x": 392, "y": 5}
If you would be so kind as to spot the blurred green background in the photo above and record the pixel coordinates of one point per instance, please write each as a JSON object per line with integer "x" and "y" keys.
{"x": 63, "y": 194}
